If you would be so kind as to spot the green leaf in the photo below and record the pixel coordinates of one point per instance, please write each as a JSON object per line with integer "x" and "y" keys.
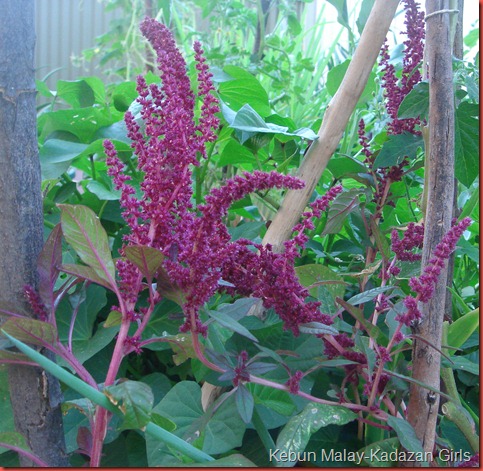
{"x": 56, "y": 155}
{"x": 397, "y": 148}
{"x": 220, "y": 430}
{"x": 84, "y": 272}
{"x": 295, "y": 436}
{"x": 274, "y": 399}
{"x": 461, "y": 329}
{"x": 163, "y": 422}
{"x": 336, "y": 75}
{"x": 103, "y": 193}
{"x": 248, "y": 123}
{"x": 30, "y": 331}
{"x": 461, "y": 363}
{"x": 466, "y": 145}
{"x": 368, "y": 295}
{"x": 364, "y": 13}
{"x": 244, "y": 403}
{"x": 235, "y": 154}
{"x": 135, "y": 400}
{"x": 379, "y": 450}
{"x": 147, "y": 259}
{"x": 232, "y": 325}
{"x": 405, "y": 433}
{"x": 340, "y": 208}
{"x": 313, "y": 275}
{"x": 416, "y": 103}
{"x": 232, "y": 461}
{"x": 84, "y": 232}
{"x": 77, "y": 93}
{"x": 345, "y": 166}
{"x": 244, "y": 89}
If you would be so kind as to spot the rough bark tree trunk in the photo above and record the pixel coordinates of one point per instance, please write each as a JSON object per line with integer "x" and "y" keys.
{"x": 35, "y": 397}
{"x": 422, "y": 408}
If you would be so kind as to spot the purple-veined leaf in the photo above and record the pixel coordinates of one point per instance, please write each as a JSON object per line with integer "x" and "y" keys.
{"x": 343, "y": 204}
{"x": 84, "y": 272}
{"x": 48, "y": 265}
{"x": 147, "y": 259}
{"x": 259, "y": 367}
{"x": 31, "y": 331}
{"x": 135, "y": 400}
{"x": 244, "y": 403}
{"x": 84, "y": 232}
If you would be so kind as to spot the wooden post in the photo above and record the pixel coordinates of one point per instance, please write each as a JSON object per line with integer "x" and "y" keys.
{"x": 35, "y": 396}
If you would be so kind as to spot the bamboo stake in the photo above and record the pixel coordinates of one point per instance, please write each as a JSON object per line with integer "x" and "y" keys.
{"x": 333, "y": 125}
{"x": 335, "y": 120}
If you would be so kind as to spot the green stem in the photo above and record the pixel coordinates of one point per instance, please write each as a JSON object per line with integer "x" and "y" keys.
{"x": 461, "y": 420}
{"x": 100, "y": 399}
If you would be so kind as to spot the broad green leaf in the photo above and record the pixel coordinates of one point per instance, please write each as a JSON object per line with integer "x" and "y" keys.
{"x": 461, "y": 329}
{"x": 345, "y": 166}
{"x": 135, "y": 399}
{"x": 84, "y": 272}
{"x": 56, "y": 155}
{"x": 249, "y": 124}
{"x": 342, "y": 12}
{"x": 247, "y": 230}
{"x": 235, "y": 154}
{"x": 147, "y": 259}
{"x": 314, "y": 275}
{"x": 48, "y": 263}
{"x": 467, "y": 142}
{"x": 278, "y": 401}
{"x": 244, "y": 403}
{"x": 77, "y": 93}
{"x": 336, "y": 75}
{"x": 102, "y": 192}
{"x": 30, "y": 331}
{"x": 405, "y": 433}
{"x": 81, "y": 123}
{"x": 243, "y": 89}
{"x": 220, "y": 431}
{"x": 295, "y": 436}
{"x": 397, "y": 148}
{"x": 416, "y": 103}
{"x": 460, "y": 363}
{"x": 84, "y": 232}
{"x": 232, "y": 325}
{"x": 183, "y": 348}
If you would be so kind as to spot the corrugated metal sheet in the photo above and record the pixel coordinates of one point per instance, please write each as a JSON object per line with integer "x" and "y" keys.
{"x": 64, "y": 28}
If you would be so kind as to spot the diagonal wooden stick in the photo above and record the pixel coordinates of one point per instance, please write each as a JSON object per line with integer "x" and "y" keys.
{"x": 333, "y": 125}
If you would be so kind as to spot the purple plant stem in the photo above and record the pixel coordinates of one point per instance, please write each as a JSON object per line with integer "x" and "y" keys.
{"x": 35, "y": 459}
